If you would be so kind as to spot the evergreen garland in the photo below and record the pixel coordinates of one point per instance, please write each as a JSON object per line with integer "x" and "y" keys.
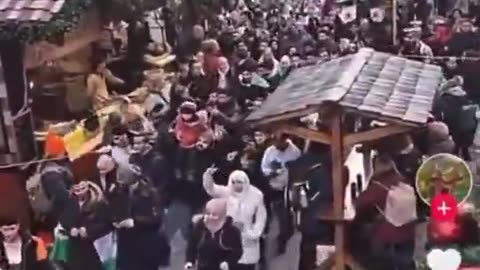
{"x": 63, "y": 21}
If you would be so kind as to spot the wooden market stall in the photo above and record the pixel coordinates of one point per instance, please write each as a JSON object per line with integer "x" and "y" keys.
{"x": 23, "y": 24}
{"x": 353, "y": 89}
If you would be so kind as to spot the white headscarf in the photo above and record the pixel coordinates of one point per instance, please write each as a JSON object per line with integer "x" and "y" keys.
{"x": 237, "y": 199}
{"x": 239, "y": 176}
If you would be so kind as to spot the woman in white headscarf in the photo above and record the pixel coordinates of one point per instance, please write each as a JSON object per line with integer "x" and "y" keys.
{"x": 246, "y": 207}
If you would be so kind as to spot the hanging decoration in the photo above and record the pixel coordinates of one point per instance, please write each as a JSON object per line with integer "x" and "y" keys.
{"x": 377, "y": 14}
{"x": 348, "y": 14}
{"x": 32, "y": 31}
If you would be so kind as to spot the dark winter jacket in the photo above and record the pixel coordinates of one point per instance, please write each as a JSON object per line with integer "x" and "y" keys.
{"x": 154, "y": 167}
{"x": 34, "y": 255}
{"x": 143, "y": 246}
{"x": 94, "y": 216}
{"x": 225, "y": 245}
{"x": 56, "y": 183}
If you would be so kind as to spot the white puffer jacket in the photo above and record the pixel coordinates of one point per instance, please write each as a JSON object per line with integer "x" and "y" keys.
{"x": 246, "y": 207}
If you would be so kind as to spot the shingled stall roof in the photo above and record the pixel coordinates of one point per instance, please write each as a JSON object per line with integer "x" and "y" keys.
{"x": 376, "y": 84}
{"x": 29, "y": 10}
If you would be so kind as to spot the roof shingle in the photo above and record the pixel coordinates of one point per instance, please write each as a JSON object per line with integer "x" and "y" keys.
{"x": 376, "y": 83}
{"x": 29, "y": 10}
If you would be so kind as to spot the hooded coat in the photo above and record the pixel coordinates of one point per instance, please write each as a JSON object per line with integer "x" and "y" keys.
{"x": 188, "y": 133}
{"x": 246, "y": 207}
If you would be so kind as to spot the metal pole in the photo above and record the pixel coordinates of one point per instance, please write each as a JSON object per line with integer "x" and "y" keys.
{"x": 394, "y": 22}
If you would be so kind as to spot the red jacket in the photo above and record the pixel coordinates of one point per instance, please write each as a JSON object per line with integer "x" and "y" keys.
{"x": 188, "y": 133}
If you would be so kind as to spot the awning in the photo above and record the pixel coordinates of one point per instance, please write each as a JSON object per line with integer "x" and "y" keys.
{"x": 377, "y": 84}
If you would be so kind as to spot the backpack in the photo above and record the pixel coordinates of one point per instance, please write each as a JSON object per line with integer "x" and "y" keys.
{"x": 39, "y": 201}
{"x": 400, "y": 205}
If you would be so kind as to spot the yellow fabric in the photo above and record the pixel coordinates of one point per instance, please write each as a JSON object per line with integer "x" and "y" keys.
{"x": 75, "y": 140}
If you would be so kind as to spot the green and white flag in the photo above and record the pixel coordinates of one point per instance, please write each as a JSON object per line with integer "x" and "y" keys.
{"x": 106, "y": 247}
{"x": 60, "y": 247}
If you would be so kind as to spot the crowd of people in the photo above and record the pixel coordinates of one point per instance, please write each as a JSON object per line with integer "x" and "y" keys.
{"x": 193, "y": 146}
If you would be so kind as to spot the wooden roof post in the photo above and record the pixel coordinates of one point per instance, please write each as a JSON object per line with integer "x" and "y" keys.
{"x": 338, "y": 185}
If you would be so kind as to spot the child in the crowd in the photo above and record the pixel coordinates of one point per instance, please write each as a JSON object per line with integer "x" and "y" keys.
{"x": 190, "y": 124}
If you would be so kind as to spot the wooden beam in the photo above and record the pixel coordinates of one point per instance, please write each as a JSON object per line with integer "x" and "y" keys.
{"x": 305, "y": 133}
{"x": 338, "y": 186}
{"x": 375, "y": 134}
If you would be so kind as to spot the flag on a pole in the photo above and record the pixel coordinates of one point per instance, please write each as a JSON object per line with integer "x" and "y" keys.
{"x": 106, "y": 247}
{"x": 60, "y": 249}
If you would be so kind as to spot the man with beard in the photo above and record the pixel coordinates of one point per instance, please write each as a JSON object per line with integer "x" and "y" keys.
{"x": 152, "y": 164}
{"x": 274, "y": 168}
{"x": 248, "y": 94}
{"x": 326, "y": 43}
{"x": 243, "y": 59}
{"x": 226, "y": 111}
{"x": 206, "y": 148}
{"x": 134, "y": 205}
{"x": 464, "y": 40}
{"x": 260, "y": 49}
{"x": 268, "y": 65}
{"x": 413, "y": 46}
{"x": 90, "y": 222}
